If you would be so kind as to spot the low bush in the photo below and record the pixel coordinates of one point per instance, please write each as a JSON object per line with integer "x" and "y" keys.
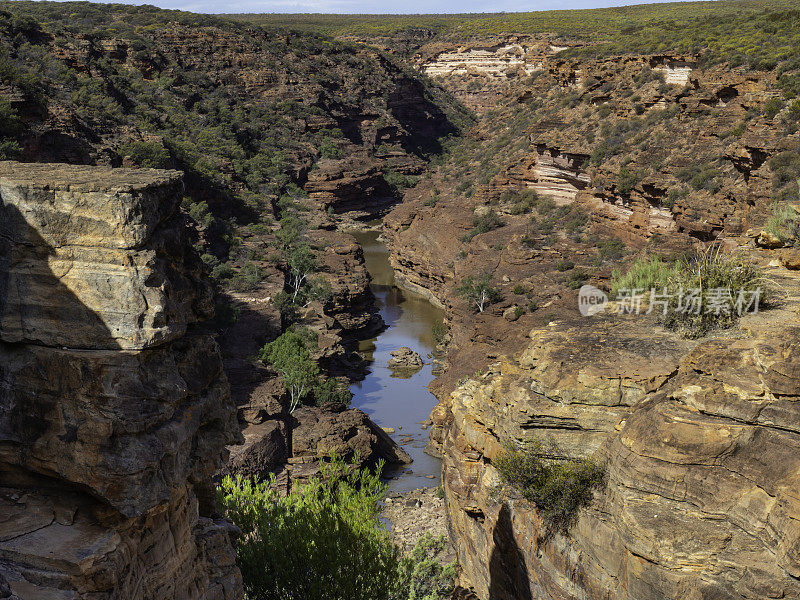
{"x": 559, "y": 486}
{"x": 565, "y": 265}
{"x": 247, "y": 279}
{"x": 785, "y": 224}
{"x": 644, "y": 274}
{"x": 439, "y": 331}
{"x": 521, "y": 201}
{"x": 722, "y": 281}
{"x": 576, "y": 279}
{"x": 423, "y": 576}
{"x": 626, "y": 181}
{"x": 702, "y": 292}
{"x": 321, "y": 541}
{"x": 151, "y": 155}
{"x": 484, "y": 224}
{"x": 479, "y": 292}
{"x": 611, "y": 249}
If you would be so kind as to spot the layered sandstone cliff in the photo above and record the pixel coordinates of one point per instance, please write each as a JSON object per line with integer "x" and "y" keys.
{"x": 114, "y": 409}
{"x": 700, "y": 445}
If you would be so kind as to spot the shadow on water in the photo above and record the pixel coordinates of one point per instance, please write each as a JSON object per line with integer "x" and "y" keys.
{"x": 508, "y": 575}
{"x": 401, "y": 403}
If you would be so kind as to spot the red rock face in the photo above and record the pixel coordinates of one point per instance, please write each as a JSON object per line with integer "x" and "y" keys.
{"x": 109, "y": 432}
{"x": 697, "y": 492}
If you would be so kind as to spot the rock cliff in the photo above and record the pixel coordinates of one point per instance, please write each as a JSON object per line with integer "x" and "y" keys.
{"x": 699, "y": 441}
{"x": 114, "y": 409}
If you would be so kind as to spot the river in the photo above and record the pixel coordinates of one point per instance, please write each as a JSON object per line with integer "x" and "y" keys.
{"x": 400, "y": 403}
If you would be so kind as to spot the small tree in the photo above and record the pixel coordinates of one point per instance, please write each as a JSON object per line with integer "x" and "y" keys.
{"x": 301, "y": 261}
{"x": 290, "y": 233}
{"x": 478, "y": 291}
{"x": 289, "y": 356}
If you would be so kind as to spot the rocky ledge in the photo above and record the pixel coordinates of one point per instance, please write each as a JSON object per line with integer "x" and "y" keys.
{"x": 114, "y": 409}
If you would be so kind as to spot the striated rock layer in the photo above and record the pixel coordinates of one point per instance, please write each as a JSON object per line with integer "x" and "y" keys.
{"x": 699, "y": 441}
{"x": 114, "y": 409}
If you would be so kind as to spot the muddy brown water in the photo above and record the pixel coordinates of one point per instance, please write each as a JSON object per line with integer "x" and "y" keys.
{"x": 392, "y": 401}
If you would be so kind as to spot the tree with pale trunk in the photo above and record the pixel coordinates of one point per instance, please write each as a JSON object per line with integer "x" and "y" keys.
{"x": 479, "y": 292}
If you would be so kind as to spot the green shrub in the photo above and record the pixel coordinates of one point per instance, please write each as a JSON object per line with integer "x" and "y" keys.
{"x": 644, "y": 274}
{"x": 701, "y": 177}
{"x": 397, "y": 181}
{"x": 199, "y": 212}
{"x": 576, "y": 279}
{"x": 611, "y": 249}
{"x": 559, "y": 486}
{"x": 484, "y": 224}
{"x": 439, "y": 331}
{"x": 146, "y": 154}
{"x": 519, "y": 290}
{"x": 673, "y": 195}
{"x": 785, "y": 224}
{"x": 772, "y": 107}
{"x": 702, "y": 290}
{"x": 331, "y": 390}
{"x": 521, "y": 201}
{"x": 719, "y": 277}
{"x": 322, "y": 541}
{"x": 423, "y": 576}
{"x": 626, "y": 181}
{"x": 565, "y": 265}
{"x": 247, "y": 279}
{"x": 329, "y": 149}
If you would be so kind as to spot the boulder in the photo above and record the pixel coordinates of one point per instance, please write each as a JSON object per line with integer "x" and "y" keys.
{"x": 768, "y": 240}
{"x": 790, "y": 258}
{"x": 405, "y": 358}
{"x": 320, "y": 430}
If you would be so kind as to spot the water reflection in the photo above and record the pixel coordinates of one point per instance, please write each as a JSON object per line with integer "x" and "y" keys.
{"x": 401, "y": 403}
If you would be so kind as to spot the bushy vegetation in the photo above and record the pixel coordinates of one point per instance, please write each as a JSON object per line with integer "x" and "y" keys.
{"x": 323, "y": 541}
{"x": 785, "y": 225}
{"x": 762, "y": 34}
{"x": 291, "y": 356}
{"x": 698, "y": 293}
{"x": 478, "y": 291}
{"x": 423, "y": 576}
{"x": 559, "y": 486}
{"x": 484, "y": 223}
{"x": 239, "y": 149}
{"x": 644, "y": 274}
{"x": 440, "y": 333}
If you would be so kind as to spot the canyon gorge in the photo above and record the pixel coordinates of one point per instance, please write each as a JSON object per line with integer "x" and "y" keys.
{"x": 161, "y": 161}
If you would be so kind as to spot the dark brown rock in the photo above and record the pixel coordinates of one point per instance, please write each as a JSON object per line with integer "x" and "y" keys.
{"x": 347, "y": 432}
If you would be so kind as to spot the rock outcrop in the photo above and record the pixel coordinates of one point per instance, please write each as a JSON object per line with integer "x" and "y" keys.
{"x": 405, "y": 359}
{"x": 114, "y": 409}
{"x": 700, "y": 445}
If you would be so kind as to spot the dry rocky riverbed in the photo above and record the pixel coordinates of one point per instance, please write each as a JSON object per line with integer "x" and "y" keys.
{"x": 414, "y": 514}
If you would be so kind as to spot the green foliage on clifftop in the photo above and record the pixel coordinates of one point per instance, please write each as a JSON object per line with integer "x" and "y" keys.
{"x": 557, "y": 485}
{"x": 764, "y": 34}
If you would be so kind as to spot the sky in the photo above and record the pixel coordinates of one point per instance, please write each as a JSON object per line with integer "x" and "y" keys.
{"x": 380, "y": 6}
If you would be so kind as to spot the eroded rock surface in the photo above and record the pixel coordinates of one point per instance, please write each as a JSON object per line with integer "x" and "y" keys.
{"x": 699, "y": 441}
{"x": 114, "y": 409}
